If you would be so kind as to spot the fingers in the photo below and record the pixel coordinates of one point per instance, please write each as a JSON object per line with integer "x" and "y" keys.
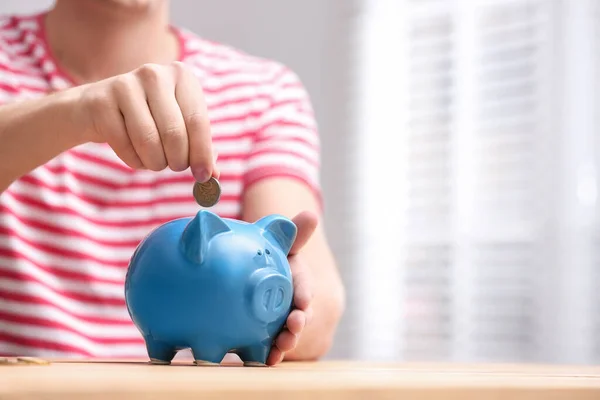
{"x": 302, "y": 284}
{"x": 109, "y": 123}
{"x": 306, "y": 222}
{"x": 286, "y": 341}
{"x": 159, "y": 85}
{"x": 295, "y": 323}
{"x": 155, "y": 117}
{"x": 142, "y": 130}
{"x": 275, "y": 356}
{"x": 195, "y": 115}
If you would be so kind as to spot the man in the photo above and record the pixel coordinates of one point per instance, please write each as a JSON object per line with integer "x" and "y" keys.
{"x": 108, "y": 116}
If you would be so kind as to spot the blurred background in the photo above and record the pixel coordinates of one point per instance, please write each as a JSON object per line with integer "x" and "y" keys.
{"x": 460, "y": 165}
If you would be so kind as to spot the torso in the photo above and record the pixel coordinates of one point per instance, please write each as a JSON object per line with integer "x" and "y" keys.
{"x": 68, "y": 228}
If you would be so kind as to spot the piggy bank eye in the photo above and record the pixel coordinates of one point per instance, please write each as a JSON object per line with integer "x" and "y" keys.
{"x": 267, "y": 251}
{"x": 259, "y": 253}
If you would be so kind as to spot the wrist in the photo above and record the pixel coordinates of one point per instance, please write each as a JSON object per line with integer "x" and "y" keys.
{"x": 79, "y": 128}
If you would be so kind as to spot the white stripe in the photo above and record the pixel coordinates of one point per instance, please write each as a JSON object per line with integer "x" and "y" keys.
{"x": 32, "y": 81}
{"x": 291, "y": 132}
{"x": 237, "y": 93}
{"x": 287, "y": 113}
{"x": 94, "y": 330}
{"x": 282, "y": 145}
{"x": 118, "y": 313}
{"x": 237, "y": 146}
{"x": 28, "y": 24}
{"x": 295, "y": 93}
{"x": 60, "y": 336}
{"x": 238, "y": 110}
{"x": 241, "y": 77}
{"x": 106, "y": 290}
{"x": 10, "y": 33}
{"x": 225, "y": 66}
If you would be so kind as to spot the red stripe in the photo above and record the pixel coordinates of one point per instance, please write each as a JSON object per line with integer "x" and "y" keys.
{"x": 75, "y": 255}
{"x": 33, "y": 201}
{"x": 45, "y": 323}
{"x": 236, "y": 101}
{"x": 57, "y": 271}
{"x": 287, "y": 124}
{"x": 11, "y": 22}
{"x": 276, "y": 151}
{"x": 32, "y": 299}
{"x": 58, "y": 230}
{"x": 84, "y": 298}
{"x": 42, "y": 344}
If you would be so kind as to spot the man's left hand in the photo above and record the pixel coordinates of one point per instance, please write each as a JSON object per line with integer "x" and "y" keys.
{"x": 287, "y": 340}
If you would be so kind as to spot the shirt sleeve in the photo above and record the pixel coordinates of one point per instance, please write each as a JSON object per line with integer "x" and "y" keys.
{"x": 287, "y": 142}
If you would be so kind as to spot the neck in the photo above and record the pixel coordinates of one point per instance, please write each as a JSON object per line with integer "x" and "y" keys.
{"x": 93, "y": 40}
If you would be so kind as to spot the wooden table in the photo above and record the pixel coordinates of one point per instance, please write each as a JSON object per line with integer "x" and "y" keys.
{"x": 319, "y": 380}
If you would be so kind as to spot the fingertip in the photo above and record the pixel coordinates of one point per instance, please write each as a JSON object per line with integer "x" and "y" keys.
{"x": 308, "y": 315}
{"x": 302, "y": 297}
{"x": 275, "y": 356}
{"x": 296, "y": 321}
{"x": 286, "y": 341}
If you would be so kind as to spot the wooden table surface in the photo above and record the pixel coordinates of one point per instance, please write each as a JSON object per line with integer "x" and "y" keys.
{"x": 319, "y": 380}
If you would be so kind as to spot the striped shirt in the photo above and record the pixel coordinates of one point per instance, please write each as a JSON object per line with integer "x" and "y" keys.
{"x": 69, "y": 227}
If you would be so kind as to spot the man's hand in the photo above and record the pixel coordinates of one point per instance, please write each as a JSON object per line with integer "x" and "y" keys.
{"x": 153, "y": 117}
{"x": 301, "y": 275}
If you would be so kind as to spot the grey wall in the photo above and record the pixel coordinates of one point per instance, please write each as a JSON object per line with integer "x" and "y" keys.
{"x": 313, "y": 38}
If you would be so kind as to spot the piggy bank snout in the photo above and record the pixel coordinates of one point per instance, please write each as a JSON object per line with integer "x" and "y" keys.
{"x": 269, "y": 294}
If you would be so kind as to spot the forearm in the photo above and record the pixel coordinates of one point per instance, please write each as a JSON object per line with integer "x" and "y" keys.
{"x": 285, "y": 197}
{"x": 34, "y": 131}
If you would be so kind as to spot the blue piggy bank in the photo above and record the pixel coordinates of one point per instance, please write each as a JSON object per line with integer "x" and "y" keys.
{"x": 212, "y": 284}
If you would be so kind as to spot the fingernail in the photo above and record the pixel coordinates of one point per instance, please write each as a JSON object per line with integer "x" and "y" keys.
{"x": 202, "y": 175}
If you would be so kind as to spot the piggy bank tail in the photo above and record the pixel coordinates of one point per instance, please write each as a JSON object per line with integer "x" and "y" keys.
{"x": 269, "y": 295}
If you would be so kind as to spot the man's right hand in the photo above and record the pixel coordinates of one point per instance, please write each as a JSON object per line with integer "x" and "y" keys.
{"x": 153, "y": 117}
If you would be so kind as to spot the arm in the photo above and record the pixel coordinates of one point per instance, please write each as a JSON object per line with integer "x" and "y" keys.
{"x": 33, "y": 132}
{"x": 283, "y": 178}
{"x": 289, "y": 197}
{"x": 135, "y": 113}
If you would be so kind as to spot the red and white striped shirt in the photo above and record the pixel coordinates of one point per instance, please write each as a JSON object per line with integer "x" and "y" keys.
{"x": 68, "y": 228}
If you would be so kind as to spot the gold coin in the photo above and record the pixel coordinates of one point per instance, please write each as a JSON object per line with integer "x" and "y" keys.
{"x": 207, "y": 194}
{"x": 32, "y": 360}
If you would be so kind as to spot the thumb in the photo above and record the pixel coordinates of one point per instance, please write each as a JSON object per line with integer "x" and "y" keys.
{"x": 306, "y": 222}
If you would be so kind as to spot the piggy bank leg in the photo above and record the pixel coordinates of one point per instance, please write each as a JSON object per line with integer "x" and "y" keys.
{"x": 208, "y": 354}
{"x": 254, "y": 356}
{"x": 159, "y": 352}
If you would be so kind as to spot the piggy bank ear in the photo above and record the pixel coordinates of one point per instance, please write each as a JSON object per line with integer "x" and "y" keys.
{"x": 279, "y": 230}
{"x": 198, "y": 233}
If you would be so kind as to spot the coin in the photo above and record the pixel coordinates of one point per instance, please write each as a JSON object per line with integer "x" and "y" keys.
{"x": 32, "y": 360}
{"x": 207, "y": 194}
